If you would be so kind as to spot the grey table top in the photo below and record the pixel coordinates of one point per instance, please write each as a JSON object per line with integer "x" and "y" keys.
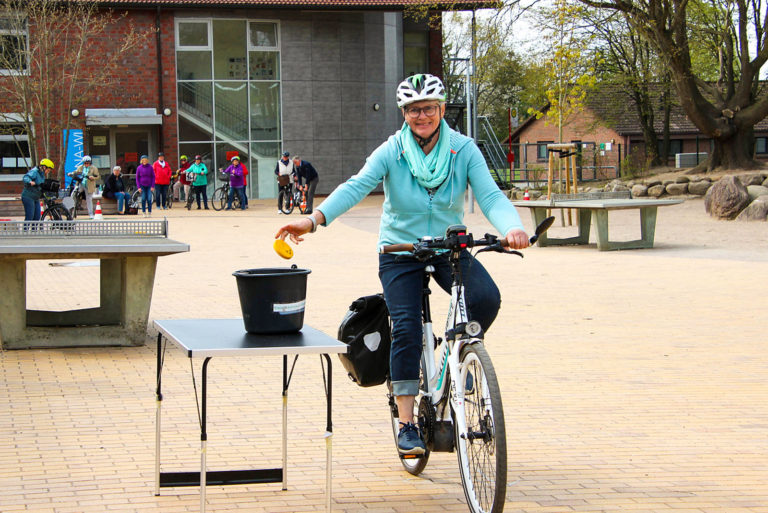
{"x": 227, "y": 337}
{"x": 598, "y": 203}
{"x": 49, "y": 246}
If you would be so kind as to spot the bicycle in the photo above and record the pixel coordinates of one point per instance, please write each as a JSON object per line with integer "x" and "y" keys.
{"x": 290, "y": 198}
{"x": 459, "y": 402}
{"x": 136, "y": 197}
{"x": 77, "y": 192}
{"x": 220, "y": 196}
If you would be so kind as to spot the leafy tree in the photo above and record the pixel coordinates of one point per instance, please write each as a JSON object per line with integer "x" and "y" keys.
{"x": 569, "y": 71}
{"x": 54, "y": 48}
{"x": 728, "y": 107}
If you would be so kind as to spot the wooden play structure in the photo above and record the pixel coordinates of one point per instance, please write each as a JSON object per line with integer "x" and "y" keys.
{"x": 566, "y": 174}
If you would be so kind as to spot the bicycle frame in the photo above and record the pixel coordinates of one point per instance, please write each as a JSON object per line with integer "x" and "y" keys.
{"x": 436, "y": 385}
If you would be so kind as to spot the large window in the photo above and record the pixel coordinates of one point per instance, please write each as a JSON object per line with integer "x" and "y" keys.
{"x": 228, "y": 82}
{"x": 415, "y": 52}
{"x": 13, "y": 45}
{"x": 14, "y": 149}
{"x": 541, "y": 150}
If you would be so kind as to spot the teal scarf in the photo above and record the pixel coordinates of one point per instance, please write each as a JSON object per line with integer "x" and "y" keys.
{"x": 429, "y": 170}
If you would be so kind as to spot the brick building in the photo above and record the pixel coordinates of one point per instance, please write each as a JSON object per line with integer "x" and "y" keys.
{"x": 251, "y": 77}
{"x": 610, "y": 136}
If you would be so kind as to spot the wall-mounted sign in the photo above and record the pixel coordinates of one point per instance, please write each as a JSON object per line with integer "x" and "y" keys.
{"x": 99, "y": 140}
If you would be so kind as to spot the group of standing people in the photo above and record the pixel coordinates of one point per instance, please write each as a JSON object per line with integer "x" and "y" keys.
{"x": 293, "y": 171}
{"x": 156, "y": 179}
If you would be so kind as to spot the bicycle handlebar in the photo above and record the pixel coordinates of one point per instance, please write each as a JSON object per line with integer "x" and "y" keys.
{"x": 457, "y": 239}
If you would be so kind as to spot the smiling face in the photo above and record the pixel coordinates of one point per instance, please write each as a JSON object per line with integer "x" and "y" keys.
{"x": 416, "y": 115}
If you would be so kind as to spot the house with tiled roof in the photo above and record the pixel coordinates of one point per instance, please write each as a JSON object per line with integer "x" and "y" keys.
{"x": 609, "y": 135}
{"x": 254, "y": 78}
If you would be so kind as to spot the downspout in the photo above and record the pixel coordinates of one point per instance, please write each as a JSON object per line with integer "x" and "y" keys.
{"x": 159, "y": 75}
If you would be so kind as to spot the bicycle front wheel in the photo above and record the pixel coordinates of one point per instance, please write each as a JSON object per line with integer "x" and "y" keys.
{"x": 482, "y": 450}
{"x": 286, "y": 202}
{"x": 219, "y": 199}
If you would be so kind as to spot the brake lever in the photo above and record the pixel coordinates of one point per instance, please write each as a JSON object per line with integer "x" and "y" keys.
{"x": 498, "y": 249}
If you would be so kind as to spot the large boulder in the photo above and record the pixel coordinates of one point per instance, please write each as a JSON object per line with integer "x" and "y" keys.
{"x": 676, "y": 189}
{"x": 750, "y": 179}
{"x": 655, "y": 191}
{"x": 765, "y": 182}
{"x": 652, "y": 182}
{"x": 639, "y": 190}
{"x": 755, "y": 211}
{"x": 726, "y": 198}
{"x": 682, "y": 179}
{"x": 755, "y": 191}
{"x": 699, "y": 188}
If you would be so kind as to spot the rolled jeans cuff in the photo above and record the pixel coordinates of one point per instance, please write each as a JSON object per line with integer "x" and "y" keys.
{"x": 405, "y": 387}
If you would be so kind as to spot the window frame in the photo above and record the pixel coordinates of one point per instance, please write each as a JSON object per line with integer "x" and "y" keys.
{"x": 539, "y": 145}
{"x": 24, "y": 35}
{"x": 765, "y": 146}
{"x": 209, "y": 25}
{"x": 252, "y": 48}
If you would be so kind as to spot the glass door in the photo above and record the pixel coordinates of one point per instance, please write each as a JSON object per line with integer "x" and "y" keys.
{"x": 129, "y": 147}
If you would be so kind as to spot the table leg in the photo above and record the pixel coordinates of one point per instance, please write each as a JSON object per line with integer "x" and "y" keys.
{"x": 159, "y": 397}
{"x": 285, "y": 422}
{"x": 203, "y": 436}
{"x": 648, "y": 225}
{"x": 328, "y": 436}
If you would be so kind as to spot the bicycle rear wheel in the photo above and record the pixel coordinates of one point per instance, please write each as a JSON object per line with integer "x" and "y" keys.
{"x": 219, "y": 199}
{"x": 414, "y": 465}
{"x": 285, "y": 201}
{"x": 169, "y": 198}
{"x": 482, "y": 450}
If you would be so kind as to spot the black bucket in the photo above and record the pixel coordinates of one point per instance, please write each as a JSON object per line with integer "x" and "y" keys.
{"x": 272, "y": 299}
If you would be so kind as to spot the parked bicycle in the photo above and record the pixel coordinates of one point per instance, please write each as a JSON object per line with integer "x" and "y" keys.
{"x": 292, "y": 197}
{"x": 220, "y": 196}
{"x": 459, "y": 402}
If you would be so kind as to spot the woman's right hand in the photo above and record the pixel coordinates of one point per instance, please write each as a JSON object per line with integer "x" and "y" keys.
{"x": 295, "y": 230}
{"x": 139, "y": 189}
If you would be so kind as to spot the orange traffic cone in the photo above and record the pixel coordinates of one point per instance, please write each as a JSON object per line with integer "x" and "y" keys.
{"x": 303, "y": 201}
{"x": 42, "y": 210}
{"x": 526, "y": 196}
{"x": 97, "y": 216}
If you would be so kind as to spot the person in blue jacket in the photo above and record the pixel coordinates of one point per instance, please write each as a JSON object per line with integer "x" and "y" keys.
{"x": 33, "y": 182}
{"x": 425, "y": 168}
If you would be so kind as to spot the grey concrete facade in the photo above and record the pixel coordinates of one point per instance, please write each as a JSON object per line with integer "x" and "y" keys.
{"x": 335, "y": 67}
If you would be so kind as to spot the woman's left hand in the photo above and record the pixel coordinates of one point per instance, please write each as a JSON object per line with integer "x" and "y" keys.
{"x": 517, "y": 239}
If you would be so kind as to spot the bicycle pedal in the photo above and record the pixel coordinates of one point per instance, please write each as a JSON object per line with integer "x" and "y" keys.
{"x": 411, "y": 456}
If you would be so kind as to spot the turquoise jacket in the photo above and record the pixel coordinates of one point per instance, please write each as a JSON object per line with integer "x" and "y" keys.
{"x": 410, "y": 211}
{"x": 33, "y": 191}
{"x": 200, "y": 171}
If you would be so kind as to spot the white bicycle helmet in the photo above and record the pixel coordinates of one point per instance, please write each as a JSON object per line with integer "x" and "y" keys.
{"x": 420, "y": 87}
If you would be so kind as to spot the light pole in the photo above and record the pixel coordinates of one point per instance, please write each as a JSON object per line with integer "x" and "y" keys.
{"x": 470, "y": 116}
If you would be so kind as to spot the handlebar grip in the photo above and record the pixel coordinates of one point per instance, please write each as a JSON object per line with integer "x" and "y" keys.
{"x": 395, "y": 248}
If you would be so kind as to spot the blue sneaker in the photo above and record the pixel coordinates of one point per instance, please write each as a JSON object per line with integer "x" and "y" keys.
{"x": 409, "y": 441}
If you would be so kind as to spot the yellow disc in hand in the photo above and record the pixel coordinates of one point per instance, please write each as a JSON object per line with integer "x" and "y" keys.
{"x": 283, "y": 249}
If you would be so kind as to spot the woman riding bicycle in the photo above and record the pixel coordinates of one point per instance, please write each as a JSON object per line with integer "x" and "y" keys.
{"x": 426, "y": 168}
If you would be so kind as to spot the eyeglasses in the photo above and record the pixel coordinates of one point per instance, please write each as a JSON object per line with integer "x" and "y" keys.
{"x": 414, "y": 112}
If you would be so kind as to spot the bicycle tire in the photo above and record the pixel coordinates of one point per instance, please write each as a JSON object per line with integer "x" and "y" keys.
{"x": 482, "y": 455}
{"x": 286, "y": 202}
{"x": 218, "y": 199}
{"x": 169, "y": 199}
{"x": 412, "y": 465}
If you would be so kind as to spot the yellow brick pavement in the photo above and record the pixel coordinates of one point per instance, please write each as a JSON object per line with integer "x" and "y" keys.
{"x": 632, "y": 381}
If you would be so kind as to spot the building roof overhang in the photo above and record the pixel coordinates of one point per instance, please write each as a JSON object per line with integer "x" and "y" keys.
{"x": 392, "y": 5}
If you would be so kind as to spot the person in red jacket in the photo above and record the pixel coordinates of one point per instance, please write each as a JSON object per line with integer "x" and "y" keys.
{"x": 181, "y": 179}
{"x": 162, "y": 180}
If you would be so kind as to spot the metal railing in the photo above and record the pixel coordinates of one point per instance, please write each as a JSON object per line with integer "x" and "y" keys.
{"x": 82, "y": 228}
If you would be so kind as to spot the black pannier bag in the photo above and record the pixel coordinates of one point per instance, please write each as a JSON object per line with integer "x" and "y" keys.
{"x": 366, "y": 330}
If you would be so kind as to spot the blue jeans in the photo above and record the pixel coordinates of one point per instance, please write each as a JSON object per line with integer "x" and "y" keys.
{"x": 403, "y": 281}
{"x": 161, "y": 195}
{"x": 31, "y": 209}
{"x": 240, "y": 192}
{"x": 146, "y": 199}
{"x": 121, "y": 198}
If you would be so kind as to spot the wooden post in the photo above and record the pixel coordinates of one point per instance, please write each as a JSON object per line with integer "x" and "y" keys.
{"x": 568, "y": 184}
{"x": 550, "y": 172}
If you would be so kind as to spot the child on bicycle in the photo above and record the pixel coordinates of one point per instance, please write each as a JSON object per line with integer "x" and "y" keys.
{"x": 426, "y": 168}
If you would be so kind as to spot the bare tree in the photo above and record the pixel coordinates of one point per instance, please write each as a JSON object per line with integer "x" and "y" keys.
{"x": 53, "y": 63}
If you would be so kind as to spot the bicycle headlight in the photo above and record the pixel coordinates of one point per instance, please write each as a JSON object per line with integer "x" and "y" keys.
{"x": 473, "y": 328}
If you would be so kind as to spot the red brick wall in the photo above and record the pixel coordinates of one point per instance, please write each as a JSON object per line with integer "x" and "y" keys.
{"x": 137, "y": 84}
{"x": 582, "y": 127}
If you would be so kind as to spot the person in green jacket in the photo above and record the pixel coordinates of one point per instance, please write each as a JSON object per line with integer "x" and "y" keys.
{"x": 200, "y": 182}
{"x": 426, "y": 168}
